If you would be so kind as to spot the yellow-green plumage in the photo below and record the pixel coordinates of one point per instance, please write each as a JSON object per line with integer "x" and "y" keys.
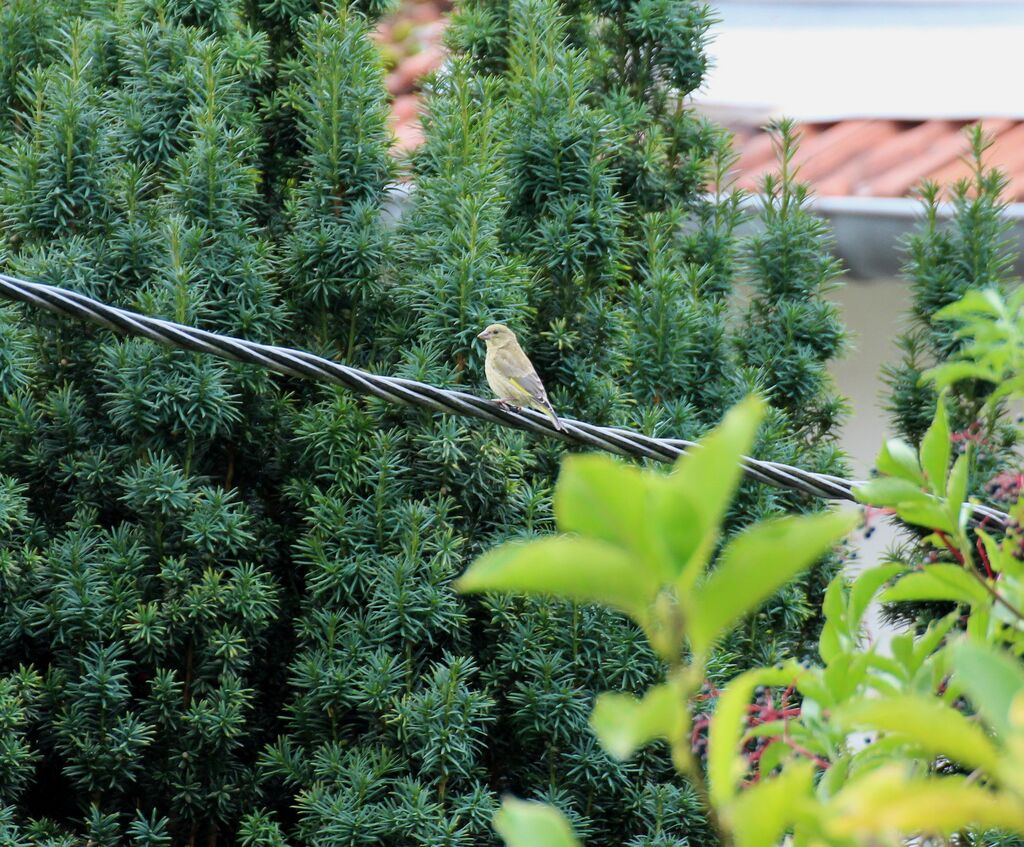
{"x": 511, "y": 375}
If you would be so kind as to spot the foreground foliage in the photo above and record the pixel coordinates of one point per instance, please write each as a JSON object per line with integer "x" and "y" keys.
{"x": 943, "y": 706}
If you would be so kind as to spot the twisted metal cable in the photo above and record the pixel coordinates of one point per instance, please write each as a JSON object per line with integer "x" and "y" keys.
{"x": 298, "y": 363}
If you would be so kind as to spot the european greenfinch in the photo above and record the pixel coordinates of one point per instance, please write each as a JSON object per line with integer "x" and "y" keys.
{"x": 511, "y": 375}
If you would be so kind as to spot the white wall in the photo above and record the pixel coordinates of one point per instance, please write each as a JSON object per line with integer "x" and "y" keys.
{"x": 881, "y": 58}
{"x": 875, "y": 313}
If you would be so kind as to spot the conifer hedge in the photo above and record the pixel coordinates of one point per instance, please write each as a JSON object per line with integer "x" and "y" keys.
{"x": 226, "y": 606}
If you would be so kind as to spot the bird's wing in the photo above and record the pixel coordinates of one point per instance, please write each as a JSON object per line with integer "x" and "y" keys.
{"x": 525, "y": 378}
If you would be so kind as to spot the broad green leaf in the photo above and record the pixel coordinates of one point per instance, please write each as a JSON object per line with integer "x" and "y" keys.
{"x": 928, "y": 724}
{"x": 726, "y": 765}
{"x": 890, "y": 492}
{"x": 991, "y": 678}
{"x": 578, "y": 569}
{"x": 951, "y": 373}
{"x": 902, "y": 647}
{"x": 937, "y": 582}
{"x": 866, "y": 586}
{"x": 936, "y": 449}
{"x": 775, "y": 754}
{"x": 898, "y": 459}
{"x": 675, "y": 523}
{"x": 933, "y": 635}
{"x": 833, "y": 780}
{"x": 623, "y": 724}
{"x": 974, "y": 302}
{"x": 608, "y": 500}
{"x": 834, "y": 605}
{"x": 957, "y": 490}
{"x": 1001, "y": 558}
{"x": 707, "y": 476}
{"x": 829, "y": 643}
{"x": 844, "y": 674}
{"x": 929, "y": 514}
{"x": 762, "y": 814}
{"x": 525, "y": 823}
{"x": 754, "y": 565}
{"x": 888, "y": 800}
{"x": 887, "y": 665}
{"x": 979, "y": 623}
{"x": 836, "y": 629}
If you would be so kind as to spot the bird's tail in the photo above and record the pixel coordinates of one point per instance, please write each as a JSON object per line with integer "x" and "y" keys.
{"x": 548, "y": 410}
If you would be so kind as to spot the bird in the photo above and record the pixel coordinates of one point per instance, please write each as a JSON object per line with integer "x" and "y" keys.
{"x": 511, "y": 375}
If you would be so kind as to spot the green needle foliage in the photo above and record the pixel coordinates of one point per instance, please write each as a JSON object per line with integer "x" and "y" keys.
{"x": 227, "y": 603}
{"x": 945, "y": 259}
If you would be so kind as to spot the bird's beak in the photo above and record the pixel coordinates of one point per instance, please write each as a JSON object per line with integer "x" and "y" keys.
{"x": 480, "y": 335}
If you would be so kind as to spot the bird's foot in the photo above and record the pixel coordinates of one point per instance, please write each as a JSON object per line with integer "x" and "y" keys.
{"x": 506, "y": 406}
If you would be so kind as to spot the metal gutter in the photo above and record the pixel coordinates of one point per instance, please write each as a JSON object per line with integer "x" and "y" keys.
{"x": 869, "y": 230}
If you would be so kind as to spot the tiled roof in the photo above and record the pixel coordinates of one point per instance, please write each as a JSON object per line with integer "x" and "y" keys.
{"x": 884, "y": 158}
{"x": 410, "y": 39}
{"x": 859, "y": 157}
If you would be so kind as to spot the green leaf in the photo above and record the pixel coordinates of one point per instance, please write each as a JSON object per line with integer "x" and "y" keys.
{"x": 929, "y": 514}
{"x": 754, "y": 565}
{"x": 936, "y": 449}
{"x": 991, "y": 678}
{"x": 763, "y": 813}
{"x": 623, "y": 724}
{"x": 726, "y": 764}
{"x": 776, "y": 752}
{"x": 578, "y": 569}
{"x": 937, "y": 582}
{"x": 525, "y": 823}
{"x": 605, "y": 499}
{"x": 933, "y": 635}
{"x": 898, "y": 459}
{"x": 707, "y": 477}
{"x": 835, "y": 777}
{"x": 834, "y": 605}
{"x": 866, "y": 586}
{"x": 888, "y": 801}
{"x": 957, "y": 490}
{"x": 890, "y": 492}
{"x": 829, "y": 643}
{"x": 1001, "y": 557}
{"x": 680, "y": 537}
{"x": 844, "y": 674}
{"x": 931, "y": 726}
{"x": 951, "y": 373}
{"x": 974, "y": 302}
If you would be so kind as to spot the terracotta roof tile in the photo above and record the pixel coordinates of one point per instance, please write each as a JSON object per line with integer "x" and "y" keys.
{"x": 904, "y": 175}
{"x": 909, "y": 140}
{"x": 754, "y": 151}
{"x": 843, "y": 143}
{"x": 822, "y": 154}
{"x": 1007, "y": 152}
